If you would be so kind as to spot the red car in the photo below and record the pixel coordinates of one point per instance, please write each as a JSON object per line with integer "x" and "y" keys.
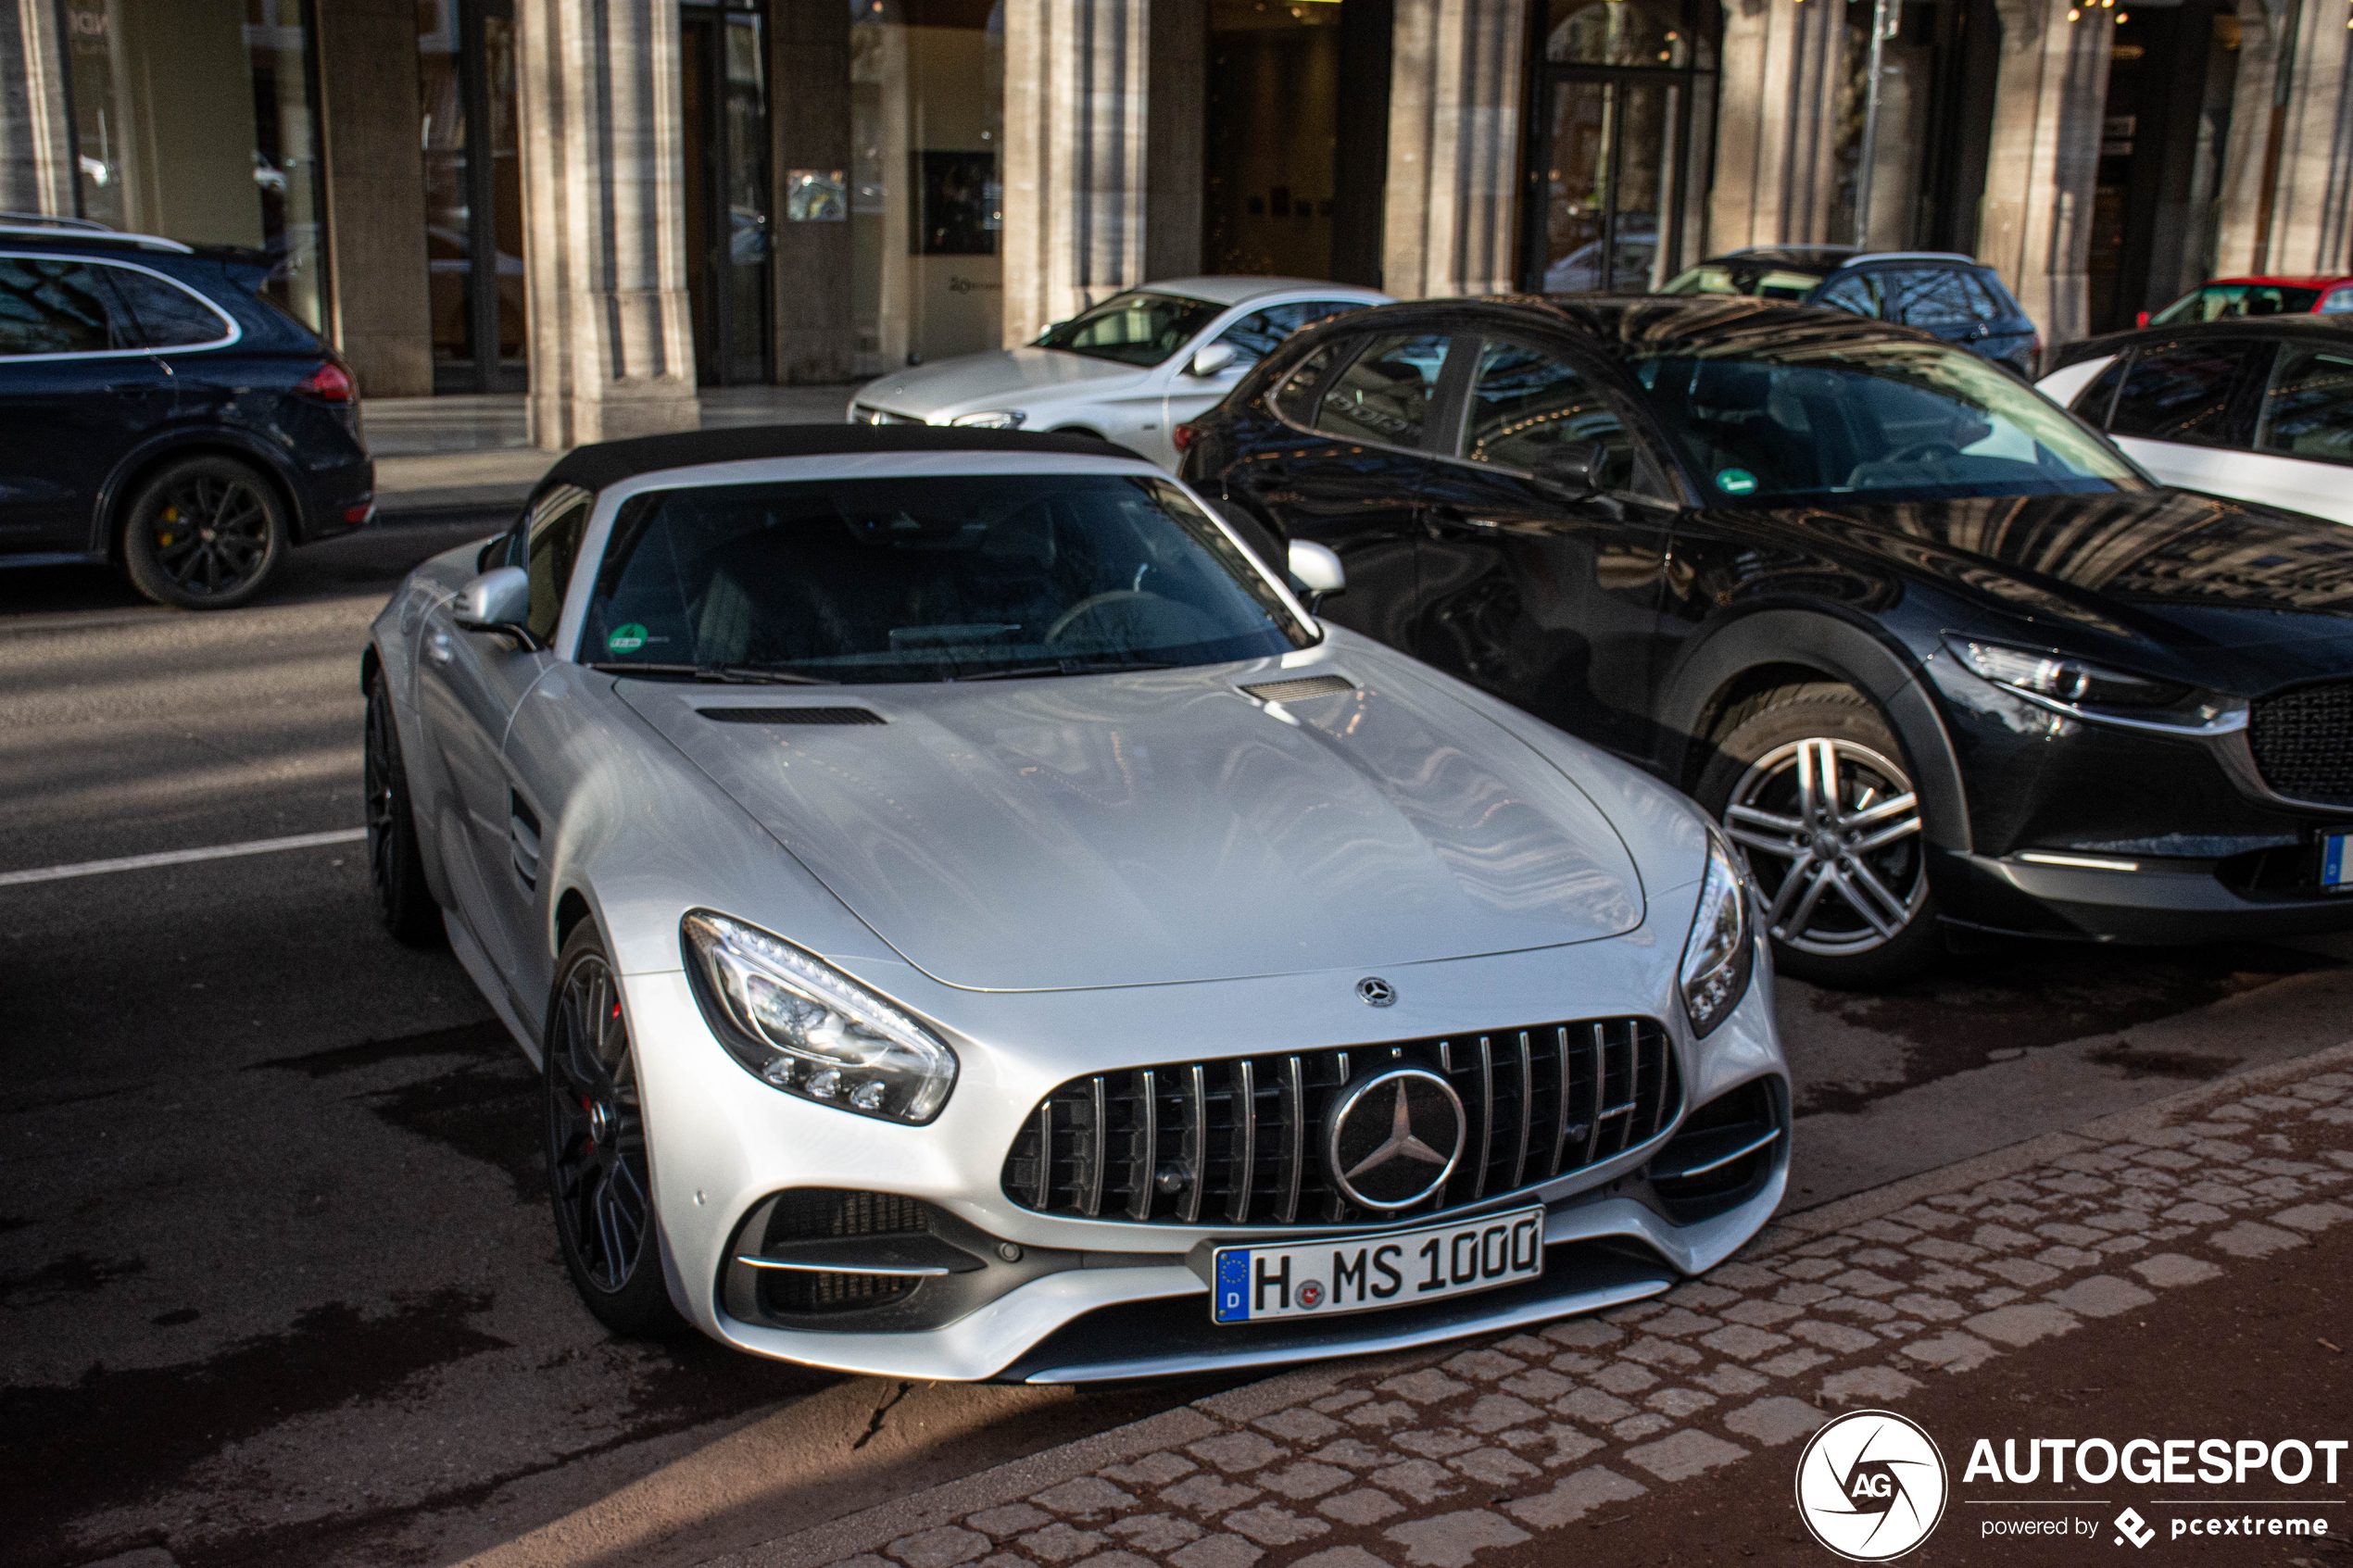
{"x": 2214, "y": 300}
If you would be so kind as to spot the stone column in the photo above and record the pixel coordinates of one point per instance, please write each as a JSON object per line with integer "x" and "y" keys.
{"x": 2287, "y": 196}
{"x": 1453, "y": 148}
{"x": 1777, "y": 125}
{"x": 2044, "y": 164}
{"x": 1074, "y": 156}
{"x": 380, "y": 315}
{"x": 36, "y": 142}
{"x": 604, "y": 220}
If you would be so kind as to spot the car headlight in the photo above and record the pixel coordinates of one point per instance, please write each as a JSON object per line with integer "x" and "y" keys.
{"x": 798, "y": 1024}
{"x": 1718, "y": 955}
{"x": 995, "y": 419}
{"x": 2063, "y": 678}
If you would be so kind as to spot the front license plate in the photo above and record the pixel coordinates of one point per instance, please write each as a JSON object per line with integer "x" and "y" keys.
{"x": 2337, "y": 862}
{"x": 1357, "y": 1273}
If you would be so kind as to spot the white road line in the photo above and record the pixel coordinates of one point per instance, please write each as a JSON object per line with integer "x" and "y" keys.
{"x": 182, "y": 857}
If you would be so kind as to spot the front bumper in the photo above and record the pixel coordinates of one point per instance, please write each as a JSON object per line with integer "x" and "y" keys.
{"x": 1089, "y": 1300}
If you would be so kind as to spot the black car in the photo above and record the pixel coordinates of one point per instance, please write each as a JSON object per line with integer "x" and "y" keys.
{"x": 1954, "y": 297}
{"x": 158, "y": 413}
{"x": 1931, "y": 649}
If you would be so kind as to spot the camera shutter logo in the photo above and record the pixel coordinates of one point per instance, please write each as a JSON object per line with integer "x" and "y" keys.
{"x": 2130, "y": 1526}
{"x": 1870, "y": 1486}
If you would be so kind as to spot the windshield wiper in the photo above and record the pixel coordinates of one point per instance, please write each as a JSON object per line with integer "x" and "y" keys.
{"x": 1064, "y": 667}
{"x": 749, "y": 674}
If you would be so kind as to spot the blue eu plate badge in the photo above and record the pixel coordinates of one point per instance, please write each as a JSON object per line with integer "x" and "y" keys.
{"x": 2337, "y": 862}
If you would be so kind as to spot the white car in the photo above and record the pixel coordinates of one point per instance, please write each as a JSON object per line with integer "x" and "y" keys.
{"x": 2257, "y": 408}
{"x": 1129, "y": 370}
{"x": 974, "y": 921}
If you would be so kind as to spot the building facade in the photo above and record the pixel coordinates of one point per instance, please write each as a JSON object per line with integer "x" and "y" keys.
{"x": 607, "y": 206}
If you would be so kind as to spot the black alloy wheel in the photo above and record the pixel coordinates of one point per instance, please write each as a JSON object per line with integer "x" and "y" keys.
{"x": 1811, "y": 782}
{"x": 396, "y": 860}
{"x": 599, "y": 1176}
{"x": 204, "y": 533}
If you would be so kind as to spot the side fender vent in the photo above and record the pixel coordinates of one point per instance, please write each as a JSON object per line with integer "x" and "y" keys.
{"x": 1302, "y": 688}
{"x": 793, "y": 715}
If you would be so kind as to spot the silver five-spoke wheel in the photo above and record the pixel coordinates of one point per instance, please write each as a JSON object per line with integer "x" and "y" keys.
{"x": 1832, "y": 828}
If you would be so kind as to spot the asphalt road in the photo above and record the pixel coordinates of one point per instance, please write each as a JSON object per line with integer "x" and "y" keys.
{"x": 277, "y": 1283}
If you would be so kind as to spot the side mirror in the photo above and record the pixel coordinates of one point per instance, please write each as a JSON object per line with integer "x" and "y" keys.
{"x": 498, "y": 603}
{"x": 1315, "y": 573}
{"x": 1213, "y": 357}
{"x": 1573, "y": 466}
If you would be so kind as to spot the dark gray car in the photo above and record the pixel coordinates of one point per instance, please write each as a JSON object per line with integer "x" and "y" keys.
{"x": 1958, "y": 298}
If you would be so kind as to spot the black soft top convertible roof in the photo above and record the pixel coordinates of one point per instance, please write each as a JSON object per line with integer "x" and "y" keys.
{"x": 609, "y": 462}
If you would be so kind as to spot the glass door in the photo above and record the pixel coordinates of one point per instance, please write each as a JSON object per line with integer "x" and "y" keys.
{"x": 473, "y": 194}
{"x": 1609, "y": 165}
{"x": 723, "y": 80}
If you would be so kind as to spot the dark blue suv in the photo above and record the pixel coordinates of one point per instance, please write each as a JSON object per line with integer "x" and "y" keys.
{"x": 158, "y": 413}
{"x": 1958, "y": 297}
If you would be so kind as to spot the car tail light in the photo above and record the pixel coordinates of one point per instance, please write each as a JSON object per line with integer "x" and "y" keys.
{"x": 329, "y": 383}
{"x": 1182, "y": 435}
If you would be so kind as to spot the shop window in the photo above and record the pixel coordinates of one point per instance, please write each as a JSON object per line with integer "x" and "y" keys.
{"x": 470, "y": 142}
{"x": 198, "y": 119}
{"x": 1270, "y": 177}
{"x": 926, "y": 196}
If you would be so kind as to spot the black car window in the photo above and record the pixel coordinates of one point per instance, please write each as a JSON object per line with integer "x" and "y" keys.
{"x": 59, "y": 307}
{"x": 1858, "y": 293}
{"x": 167, "y": 314}
{"x": 1135, "y": 328}
{"x": 1931, "y": 296}
{"x": 2005, "y": 304}
{"x": 2182, "y": 392}
{"x": 2094, "y": 401}
{"x": 555, "y": 530}
{"x": 1254, "y": 336}
{"x": 930, "y": 579}
{"x": 1525, "y": 404}
{"x": 1295, "y": 399}
{"x": 1385, "y": 394}
{"x": 1884, "y": 421}
{"x": 2307, "y": 410}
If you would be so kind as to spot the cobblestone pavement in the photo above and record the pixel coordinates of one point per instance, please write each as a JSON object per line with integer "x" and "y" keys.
{"x": 1426, "y": 1462}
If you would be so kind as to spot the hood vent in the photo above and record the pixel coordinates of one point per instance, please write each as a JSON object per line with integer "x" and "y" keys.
{"x": 1296, "y": 691}
{"x": 793, "y": 715}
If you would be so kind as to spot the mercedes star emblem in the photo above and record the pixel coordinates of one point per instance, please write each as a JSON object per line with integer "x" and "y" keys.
{"x": 1395, "y": 1137}
{"x": 1375, "y": 992}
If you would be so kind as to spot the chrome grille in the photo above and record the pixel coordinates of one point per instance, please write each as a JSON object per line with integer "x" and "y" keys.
{"x": 1237, "y": 1141}
{"x": 2303, "y": 742}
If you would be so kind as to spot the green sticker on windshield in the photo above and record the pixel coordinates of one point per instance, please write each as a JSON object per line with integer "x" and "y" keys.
{"x": 627, "y": 639}
{"x": 1735, "y": 482}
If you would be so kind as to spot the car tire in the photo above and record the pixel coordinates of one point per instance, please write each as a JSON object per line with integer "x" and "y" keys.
{"x": 1842, "y": 875}
{"x": 599, "y": 1169}
{"x": 205, "y": 533}
{"x": 396, "y": 860}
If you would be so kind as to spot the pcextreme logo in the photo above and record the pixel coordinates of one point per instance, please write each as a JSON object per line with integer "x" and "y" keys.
{"x": 1870, "y": 1486}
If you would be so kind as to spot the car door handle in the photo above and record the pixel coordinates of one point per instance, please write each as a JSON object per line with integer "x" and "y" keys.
{"x": 439, "y": 648}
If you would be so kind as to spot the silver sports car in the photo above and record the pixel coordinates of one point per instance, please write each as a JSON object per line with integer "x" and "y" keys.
{"x": 975, "y": 922}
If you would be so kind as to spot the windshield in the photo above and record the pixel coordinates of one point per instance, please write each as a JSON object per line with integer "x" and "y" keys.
{"x": 1896, "y": 421}
{"x": 1763, "y": 282}
{"x": 875, "y": 580}
{"x": 2217, "y": 300}
{"x": 1134, "y": 329}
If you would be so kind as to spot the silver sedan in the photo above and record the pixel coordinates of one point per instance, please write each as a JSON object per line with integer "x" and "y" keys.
{"x": 974, "y": 921}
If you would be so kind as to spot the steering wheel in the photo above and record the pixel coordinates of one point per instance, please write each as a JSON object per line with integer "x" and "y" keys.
{"x": 1923, "y": 451}
{"x": 1093, "y": 601}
